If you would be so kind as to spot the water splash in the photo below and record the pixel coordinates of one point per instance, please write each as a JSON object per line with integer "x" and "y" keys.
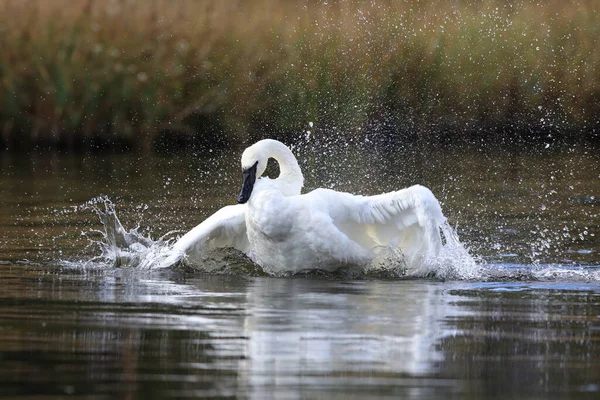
{"x": 454, "y": 262}
{"x": 124, "y": 248}
{"x": 120, "y": 247}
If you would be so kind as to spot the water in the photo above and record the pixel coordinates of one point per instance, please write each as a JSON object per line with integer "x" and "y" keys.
{"x": 528, "y": 325}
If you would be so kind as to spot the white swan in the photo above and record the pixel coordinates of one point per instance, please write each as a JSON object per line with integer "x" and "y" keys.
{"x": 285, "y": 232}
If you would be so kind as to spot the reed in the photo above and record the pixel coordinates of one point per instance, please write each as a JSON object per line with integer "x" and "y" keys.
{"x": 132, "y": 71}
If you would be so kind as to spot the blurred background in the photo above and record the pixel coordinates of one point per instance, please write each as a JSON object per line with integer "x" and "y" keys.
{"x": 172, "y": 74}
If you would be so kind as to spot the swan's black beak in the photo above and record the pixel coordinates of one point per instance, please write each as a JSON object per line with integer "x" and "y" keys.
{"x": 249, "y": 175}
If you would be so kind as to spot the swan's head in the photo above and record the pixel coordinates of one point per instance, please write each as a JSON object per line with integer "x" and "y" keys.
{"x": 254, "y": 163}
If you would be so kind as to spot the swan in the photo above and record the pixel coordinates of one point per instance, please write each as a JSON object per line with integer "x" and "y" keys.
{"x": 284, "y": 231}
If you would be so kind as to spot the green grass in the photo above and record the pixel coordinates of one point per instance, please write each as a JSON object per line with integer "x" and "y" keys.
{"x": 133, "y": 73}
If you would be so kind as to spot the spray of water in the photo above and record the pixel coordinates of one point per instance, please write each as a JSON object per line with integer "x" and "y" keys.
{"x": 119, "y": 247}
{"x": 124, "y": 248}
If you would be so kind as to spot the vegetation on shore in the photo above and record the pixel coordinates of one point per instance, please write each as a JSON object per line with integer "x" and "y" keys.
{"x": 141, "y": 73}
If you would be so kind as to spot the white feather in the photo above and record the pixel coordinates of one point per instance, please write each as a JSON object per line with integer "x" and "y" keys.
{"x": 225, "y": 228}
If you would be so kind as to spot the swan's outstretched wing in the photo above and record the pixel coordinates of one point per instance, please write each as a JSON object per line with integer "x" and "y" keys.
{"x": 225, "y": 228}
{"x": 409, "y": 219}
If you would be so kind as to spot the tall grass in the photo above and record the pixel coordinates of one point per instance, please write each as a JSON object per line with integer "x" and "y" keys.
{"x": 129, "y": 71}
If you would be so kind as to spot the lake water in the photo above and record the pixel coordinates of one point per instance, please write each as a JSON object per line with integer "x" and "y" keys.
{"x": 527, "y": 326}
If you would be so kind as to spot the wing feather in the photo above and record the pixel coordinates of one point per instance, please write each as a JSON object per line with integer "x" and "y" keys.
{"x": 408, "y": 218}
{"x": 225, "y": 228}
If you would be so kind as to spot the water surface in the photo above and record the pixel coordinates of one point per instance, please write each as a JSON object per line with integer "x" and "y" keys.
{"x": 528, "y": 327}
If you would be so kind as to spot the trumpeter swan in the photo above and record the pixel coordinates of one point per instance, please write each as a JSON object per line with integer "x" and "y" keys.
{"x": 285, "y": 231}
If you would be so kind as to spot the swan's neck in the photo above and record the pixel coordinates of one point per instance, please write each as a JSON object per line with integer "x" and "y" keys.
{"x": 290, "y": 176}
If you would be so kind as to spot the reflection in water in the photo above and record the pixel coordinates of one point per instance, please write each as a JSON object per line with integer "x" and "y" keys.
{"x": 321, "y": 334}
{"x": 122, "y": 333}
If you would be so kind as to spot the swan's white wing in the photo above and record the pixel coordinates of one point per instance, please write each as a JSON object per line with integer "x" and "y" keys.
{"x": 225, "y": 228}
{"x": 408, "y": 219}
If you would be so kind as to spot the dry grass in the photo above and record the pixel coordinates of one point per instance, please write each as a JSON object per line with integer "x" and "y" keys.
{"x": 124, "y": 70}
